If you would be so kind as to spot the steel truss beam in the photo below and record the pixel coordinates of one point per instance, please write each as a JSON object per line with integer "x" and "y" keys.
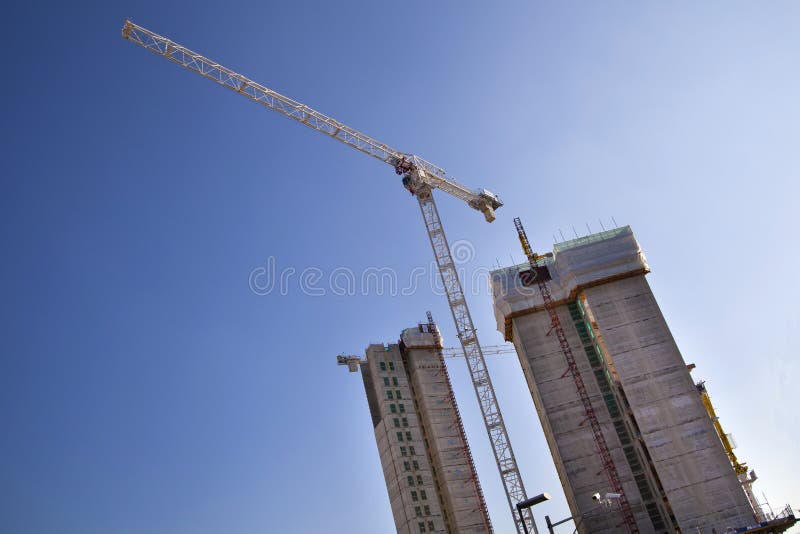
{"x": 467, "y": 335}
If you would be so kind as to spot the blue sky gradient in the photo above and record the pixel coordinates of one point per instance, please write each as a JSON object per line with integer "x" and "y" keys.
{"x": 144, "y": 387}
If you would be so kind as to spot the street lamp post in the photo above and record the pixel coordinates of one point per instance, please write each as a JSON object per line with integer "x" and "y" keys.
{"x": 604, "y": 503}
{"x": 527, "y": 503}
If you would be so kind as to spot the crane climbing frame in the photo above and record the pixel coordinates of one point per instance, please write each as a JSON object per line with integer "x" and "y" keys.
{"x": 572, "y": 369}
{"x": 420, "y": 177}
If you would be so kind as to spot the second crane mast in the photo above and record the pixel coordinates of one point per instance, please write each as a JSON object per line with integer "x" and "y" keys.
{"x": 420, "y": 177}
{"x": 572, "y": 368}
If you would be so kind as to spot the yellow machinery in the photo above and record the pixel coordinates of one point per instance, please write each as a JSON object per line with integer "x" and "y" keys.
{"x": 739, "y": 467}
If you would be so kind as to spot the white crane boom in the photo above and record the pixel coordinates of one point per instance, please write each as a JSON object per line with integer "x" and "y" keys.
{"x": 420, "y": 177}
{"x": 435, "y": 176}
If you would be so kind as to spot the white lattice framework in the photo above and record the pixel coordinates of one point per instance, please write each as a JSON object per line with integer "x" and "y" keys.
{"x": 423, "y": 177}
{"x": 467, "y": 335}
{"x": 303, "y": 114}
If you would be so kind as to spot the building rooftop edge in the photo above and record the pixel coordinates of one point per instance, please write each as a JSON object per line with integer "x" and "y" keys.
{"x": 572, "y": 266}
{"x": 549, "y": 258}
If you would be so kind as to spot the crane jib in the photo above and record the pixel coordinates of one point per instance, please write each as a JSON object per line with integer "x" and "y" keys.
{"x": 433, "y": 175}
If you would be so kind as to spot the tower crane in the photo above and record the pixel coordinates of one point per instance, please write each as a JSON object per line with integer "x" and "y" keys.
{"x": 420, "y": 177}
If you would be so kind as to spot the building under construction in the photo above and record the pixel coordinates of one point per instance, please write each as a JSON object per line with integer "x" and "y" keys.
{"x": 667, "y": 456}
{"x": 671, "y": 470}
{"x": 427, "y": 464}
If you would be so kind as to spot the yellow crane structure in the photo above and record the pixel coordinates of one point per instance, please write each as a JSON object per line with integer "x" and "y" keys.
{"x": 739, "y": 467}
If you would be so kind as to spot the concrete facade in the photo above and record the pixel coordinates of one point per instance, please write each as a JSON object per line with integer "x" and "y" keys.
{"x": 430, "y": 477}
{"x": 670, "y": 461}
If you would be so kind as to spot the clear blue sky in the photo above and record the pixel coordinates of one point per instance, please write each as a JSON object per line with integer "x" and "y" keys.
{"x": 145, "y": 388}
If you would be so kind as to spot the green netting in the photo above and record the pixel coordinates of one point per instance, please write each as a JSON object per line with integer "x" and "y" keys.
{"x": 591, "y": 238}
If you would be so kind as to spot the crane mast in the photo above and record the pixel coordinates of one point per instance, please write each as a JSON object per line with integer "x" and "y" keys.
{"x": 481, "y": 382}
{"x": 420, "y": 177}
